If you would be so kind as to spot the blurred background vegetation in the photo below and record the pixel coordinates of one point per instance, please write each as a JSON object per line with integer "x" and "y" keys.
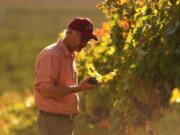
{"x": 28, "y": 26}
{"x": 25, "y": 28}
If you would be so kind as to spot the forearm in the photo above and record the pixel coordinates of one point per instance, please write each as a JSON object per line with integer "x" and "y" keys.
{"x": 57, "y": 91}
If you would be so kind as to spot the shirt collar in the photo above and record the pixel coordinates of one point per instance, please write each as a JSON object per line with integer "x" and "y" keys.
{"x": 63, "y": 46}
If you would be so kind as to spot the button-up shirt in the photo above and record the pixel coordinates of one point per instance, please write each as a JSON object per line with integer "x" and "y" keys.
{"x": 55, "y": 65}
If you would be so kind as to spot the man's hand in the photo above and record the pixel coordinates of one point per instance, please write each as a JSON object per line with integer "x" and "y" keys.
{"x": 56, "y": 91}
{"x": 86, "y": 85}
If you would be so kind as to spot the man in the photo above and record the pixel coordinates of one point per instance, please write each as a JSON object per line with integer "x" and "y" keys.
{"x": 56, "y": 85}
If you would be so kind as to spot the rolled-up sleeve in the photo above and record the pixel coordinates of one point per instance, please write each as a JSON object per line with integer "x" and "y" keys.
{"x": 47, "y": 71}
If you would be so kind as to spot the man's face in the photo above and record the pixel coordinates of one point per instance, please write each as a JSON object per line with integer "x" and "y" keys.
{"x": 77, "y": 42}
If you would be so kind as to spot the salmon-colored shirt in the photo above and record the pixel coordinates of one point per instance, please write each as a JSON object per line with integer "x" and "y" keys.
{"x": 56, "y": 66}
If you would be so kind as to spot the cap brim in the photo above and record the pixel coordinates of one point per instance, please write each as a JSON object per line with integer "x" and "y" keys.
{"x": 94, "y": 37}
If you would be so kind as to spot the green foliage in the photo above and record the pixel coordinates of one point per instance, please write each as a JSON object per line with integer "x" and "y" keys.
{"x": 140, "y": 44}
{"x": 18, "y": 115}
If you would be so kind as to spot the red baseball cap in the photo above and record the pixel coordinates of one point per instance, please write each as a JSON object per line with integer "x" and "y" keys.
{"x": 84, "y": 26}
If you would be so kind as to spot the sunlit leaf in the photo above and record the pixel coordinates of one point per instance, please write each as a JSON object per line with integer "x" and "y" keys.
{"x": 175, "y": 98}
